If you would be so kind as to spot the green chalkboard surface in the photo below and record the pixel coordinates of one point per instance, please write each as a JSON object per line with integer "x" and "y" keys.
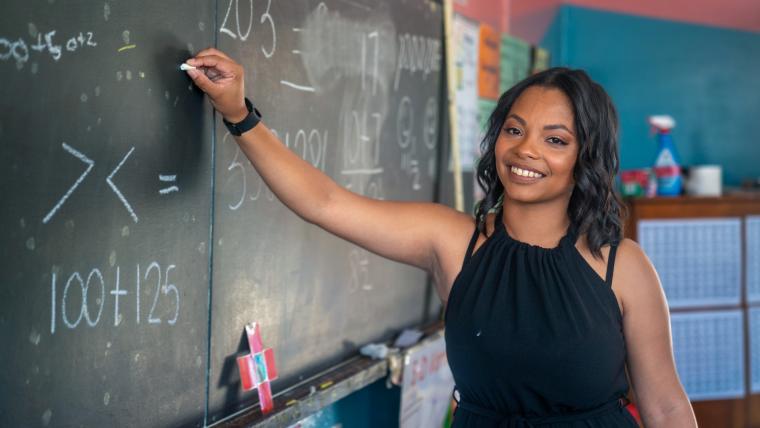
{"x": 138, "y": 242}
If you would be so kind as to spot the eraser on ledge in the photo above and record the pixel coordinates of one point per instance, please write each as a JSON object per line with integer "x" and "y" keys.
{"x": 407, "y": 338}
{"x": 377, "y": 351}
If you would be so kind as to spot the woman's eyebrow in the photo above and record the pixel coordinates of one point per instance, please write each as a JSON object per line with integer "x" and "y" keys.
{"x": 518, "y": 118}
{"x": 547, "y": 127}
{"x": 559, "y": 126}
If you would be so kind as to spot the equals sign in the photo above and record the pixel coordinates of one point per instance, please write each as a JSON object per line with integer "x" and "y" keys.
{"x": 168, "y": 179}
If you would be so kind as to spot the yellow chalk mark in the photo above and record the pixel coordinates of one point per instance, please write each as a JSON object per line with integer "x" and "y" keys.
{"x": 124, "y": 48}
{"x": 326, "y": 384}
{"x": 291, "y": 402}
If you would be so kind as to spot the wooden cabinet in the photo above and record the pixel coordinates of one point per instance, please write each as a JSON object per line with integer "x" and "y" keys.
{"x": 708, "y": 252}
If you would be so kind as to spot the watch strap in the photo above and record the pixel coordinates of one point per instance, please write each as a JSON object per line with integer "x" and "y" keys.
{"x": 248, "y": 123}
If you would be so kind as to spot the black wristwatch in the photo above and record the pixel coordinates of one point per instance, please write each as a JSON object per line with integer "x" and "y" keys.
{"x": 250, "y": 121}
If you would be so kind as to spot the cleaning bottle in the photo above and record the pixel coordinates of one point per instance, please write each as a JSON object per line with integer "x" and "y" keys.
{"x": 667, "y": 166}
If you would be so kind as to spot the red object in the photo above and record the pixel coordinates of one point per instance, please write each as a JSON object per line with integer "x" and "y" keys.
{"x": 667, "y": 171}
{"x": 258, "y": 369}
{"x": 633, "y": 411}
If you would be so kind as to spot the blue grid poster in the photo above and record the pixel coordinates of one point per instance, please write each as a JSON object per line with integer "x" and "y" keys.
{"x": 709, "y": 353}
{"x": 754, "y": 343}
{"x": 753, "y": 258}
{"x": 698, "y": 260}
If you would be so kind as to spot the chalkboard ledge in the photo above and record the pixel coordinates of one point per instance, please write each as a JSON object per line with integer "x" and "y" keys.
{"x": 324, "y": 389}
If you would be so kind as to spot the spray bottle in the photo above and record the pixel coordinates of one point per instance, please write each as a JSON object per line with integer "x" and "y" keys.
{"x": 667, "y": 167}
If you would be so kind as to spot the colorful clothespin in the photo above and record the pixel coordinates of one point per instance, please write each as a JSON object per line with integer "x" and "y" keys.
{"x": 257, "y": 369}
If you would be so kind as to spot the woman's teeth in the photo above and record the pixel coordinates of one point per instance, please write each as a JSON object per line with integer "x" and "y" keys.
{"x": 525, "y": 173}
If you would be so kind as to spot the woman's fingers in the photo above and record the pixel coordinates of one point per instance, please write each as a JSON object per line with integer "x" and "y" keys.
{"x": 210, "y": 61}
{"x": 221, "y": 79}
{"x": 202, "y": 82}
{"x": 213, "y": 51}
{"x": 216, "y": 68}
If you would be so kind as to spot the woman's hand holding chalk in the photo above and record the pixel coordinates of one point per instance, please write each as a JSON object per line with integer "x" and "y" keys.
{"x": 185, "y": 67}
{"x": 221, "y": 78}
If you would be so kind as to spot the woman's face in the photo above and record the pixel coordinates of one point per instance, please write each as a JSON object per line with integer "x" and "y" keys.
{"x": 537, "y": 149}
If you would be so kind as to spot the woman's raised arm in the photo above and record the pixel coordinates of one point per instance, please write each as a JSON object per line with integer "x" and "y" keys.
{"x": 407, "y": 232}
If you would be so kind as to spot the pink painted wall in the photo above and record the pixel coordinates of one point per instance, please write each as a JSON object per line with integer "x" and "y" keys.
{"x": 529, "y": 19}
{"x": 492, "y": 12}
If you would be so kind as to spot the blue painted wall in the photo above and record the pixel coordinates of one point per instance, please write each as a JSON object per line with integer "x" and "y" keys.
{"x": 707, "y": 78}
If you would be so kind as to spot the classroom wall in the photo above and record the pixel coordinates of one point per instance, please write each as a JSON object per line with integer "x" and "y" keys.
{"x": 492, "y": 12}
{"x": 707, "y": 78}
{"x": 530, "y": 19}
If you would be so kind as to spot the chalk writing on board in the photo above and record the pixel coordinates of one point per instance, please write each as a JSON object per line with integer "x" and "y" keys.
{"x": 430, "y": 130}
{"x": 309, "y": 144}
{"x": 267, "y": 17}
{"x": 116, "y": 190}
{"x": 240, "y": 172}
{"x": 237, "y": 167}
{"x": 417, "y": 53}
{"x": 304, "y": 88}
{"x": 76, "y": 184}
{"x": 168, "y": 179}
{"x": 297, "y": 86}
{"x": 372, "y": 37}
{"x": 358, "y": 260}
{"x": 407, "y": 140}
{"x": 20, "y": 50}
{"x": 165, "y": 296}
{"x": 237, "y": 31}
{"x": 109, "y": 180}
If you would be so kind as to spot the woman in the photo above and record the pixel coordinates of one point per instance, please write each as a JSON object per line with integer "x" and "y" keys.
{"x": 547, "y": 306}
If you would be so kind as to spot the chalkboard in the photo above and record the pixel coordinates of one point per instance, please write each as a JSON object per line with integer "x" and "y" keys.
{"x": 137, "y": 240}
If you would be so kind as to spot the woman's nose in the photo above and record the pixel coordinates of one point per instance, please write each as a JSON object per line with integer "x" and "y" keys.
{"x": 528, "y": 148}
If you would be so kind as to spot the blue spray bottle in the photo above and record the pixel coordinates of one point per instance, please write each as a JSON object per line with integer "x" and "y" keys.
{"x": 667, "y": 166}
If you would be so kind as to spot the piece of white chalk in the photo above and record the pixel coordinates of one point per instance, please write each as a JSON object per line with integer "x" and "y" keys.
{"x": 185, "y": 67}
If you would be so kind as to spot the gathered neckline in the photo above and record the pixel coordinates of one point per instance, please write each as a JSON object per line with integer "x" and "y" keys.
{"x": 570, "y": 236}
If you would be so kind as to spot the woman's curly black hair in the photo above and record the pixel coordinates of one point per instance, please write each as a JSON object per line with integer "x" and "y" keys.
{"x": 595, "y": 208}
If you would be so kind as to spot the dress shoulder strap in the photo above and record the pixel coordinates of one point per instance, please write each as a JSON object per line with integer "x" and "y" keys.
{"x": 471, "y": 246}
{"x": 611, "y": 264}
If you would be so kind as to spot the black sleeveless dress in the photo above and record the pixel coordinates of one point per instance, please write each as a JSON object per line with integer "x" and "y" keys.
{"x": 534, "y": 337}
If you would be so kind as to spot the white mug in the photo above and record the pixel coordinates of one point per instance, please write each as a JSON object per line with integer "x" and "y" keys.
{"x": 705, "y": 180}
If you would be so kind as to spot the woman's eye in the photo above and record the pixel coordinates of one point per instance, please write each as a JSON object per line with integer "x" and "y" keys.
{"x": 555, "y": 140}
{"x": 512, "y": 131}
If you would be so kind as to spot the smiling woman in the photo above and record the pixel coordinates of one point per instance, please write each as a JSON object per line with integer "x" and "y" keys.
{"x": 537, "y": 330}
{"x": 562, "y": 127}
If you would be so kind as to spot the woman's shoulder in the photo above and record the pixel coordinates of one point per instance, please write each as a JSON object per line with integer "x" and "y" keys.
{"x": 628, "y": 252}
{"x": 635, "y": 279}
{"x": 632, "y": 260}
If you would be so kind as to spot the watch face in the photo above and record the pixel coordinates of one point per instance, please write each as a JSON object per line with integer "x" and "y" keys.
{"x": 248, "y": 123}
